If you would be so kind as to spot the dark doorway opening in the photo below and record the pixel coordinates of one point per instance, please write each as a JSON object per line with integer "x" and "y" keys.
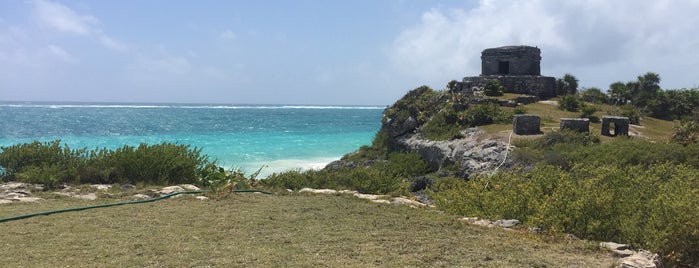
{"x": 504, "y": 67}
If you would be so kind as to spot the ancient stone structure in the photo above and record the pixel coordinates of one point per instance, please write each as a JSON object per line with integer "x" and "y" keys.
{"x": 620, "y": 126}
{"x": 517, "y": 68}
{"x": 526, "y": 124}
{"x": 576, "y": 124}
{"x": 511, "y": 60}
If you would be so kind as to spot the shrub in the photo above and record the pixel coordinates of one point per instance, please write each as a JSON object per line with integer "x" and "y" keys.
{"x": 569, "y": 103}
{"x": 493, "y": 88}
{"x": 52, "y": 164}
{"x": 442, "y": 126}
{"x": 387, "y": 177}
{"x": 654, "y": 207}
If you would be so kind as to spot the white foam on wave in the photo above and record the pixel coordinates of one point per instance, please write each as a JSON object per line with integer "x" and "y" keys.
{"x": 187, "y": 106}
{"x": 281, "y": 165}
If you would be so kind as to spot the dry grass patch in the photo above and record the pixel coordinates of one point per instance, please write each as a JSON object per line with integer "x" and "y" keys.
{"x": 280, "y": 230}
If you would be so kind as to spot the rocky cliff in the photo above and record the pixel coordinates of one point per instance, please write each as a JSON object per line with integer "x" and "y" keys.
{"x": 469, "y": 152}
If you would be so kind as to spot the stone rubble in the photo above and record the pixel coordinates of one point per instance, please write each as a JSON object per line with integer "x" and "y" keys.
{"x": 11, "y": 192}
{"x": 380, "y": 199}
{"x": 632, "y": 258}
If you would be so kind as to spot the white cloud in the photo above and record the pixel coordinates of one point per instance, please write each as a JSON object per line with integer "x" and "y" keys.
{"x": 61, "y": 54}
{"x": 599, "y": 41}
{"x": 63, "y": 19}
{"x": 227, "y": 35}
{"x": 112, "y": 43}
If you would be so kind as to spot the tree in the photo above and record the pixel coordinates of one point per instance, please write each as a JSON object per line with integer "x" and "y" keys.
{"x": 645, "y": 89}
{"x": 568, "y": 84}
{"x": 619, "y": 93}
{"x": 594, "y": 95}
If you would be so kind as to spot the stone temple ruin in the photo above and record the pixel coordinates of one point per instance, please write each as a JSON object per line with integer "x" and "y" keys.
{"x": 517, "y": 68}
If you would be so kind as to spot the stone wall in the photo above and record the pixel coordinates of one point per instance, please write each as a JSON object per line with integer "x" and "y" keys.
{"x": 543, "y": 87}
{"x": 621, "y": 126}
{"x": 526, "y": 124}
{"x": 511, "y": 60}
{"x": 576, "y": 124}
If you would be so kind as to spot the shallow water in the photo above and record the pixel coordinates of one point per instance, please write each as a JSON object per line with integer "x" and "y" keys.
{"x": 238, "y": 136}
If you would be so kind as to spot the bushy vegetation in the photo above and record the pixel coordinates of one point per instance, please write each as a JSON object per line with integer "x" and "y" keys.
{"x": 384, "y": 177}
{"x": 627, "y": 191}
{"x": 420, "y": 104}
{"x": 448, "y": 122}
{"x": 493, "y": 88}
{"x": 571, "y": 103}
{"x": 52, "y": 164}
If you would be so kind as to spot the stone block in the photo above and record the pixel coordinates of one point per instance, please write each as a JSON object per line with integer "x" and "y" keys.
{"x": 581, "y": 125}
{"x": 620, "y": 126}
{"x": 526, "y": 124}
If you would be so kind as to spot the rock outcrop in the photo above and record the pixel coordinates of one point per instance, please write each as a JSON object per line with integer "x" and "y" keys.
{"x": 474, "y": 153}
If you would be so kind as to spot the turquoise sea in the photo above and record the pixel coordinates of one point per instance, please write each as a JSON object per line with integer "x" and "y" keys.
{"x": 238, "y": 136}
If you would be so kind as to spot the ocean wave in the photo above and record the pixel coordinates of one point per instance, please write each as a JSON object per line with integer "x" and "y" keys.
{"x": 282, "y": 165}
{"x": 186, "y": 106}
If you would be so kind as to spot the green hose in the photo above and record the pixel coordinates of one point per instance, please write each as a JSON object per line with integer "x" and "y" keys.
{"x": 117, "y": 204}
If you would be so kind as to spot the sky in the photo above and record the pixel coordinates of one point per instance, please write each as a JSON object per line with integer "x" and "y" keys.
{"x": 316, "y": 52}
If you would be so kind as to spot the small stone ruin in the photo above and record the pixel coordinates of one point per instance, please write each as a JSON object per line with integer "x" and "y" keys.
{"x": 526, "y": 124}
{"x": 517, "y": 68}
{"x": 581, "y": 125}
{"x": 613, "y": 126}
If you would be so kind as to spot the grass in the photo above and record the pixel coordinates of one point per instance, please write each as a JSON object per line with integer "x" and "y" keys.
{"x": 653, "y": 129}
{"x": 272, "y": 231}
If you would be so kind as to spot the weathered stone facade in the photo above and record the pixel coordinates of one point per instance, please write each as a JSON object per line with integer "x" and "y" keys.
{"x": 576, "y": 124}
{"x": 541, "y": 86}
{"x": 511, "y": 60}
{"x": 621, "y": 126}
{"x": 517, "y": 68}
{"x": 526, "y": 124}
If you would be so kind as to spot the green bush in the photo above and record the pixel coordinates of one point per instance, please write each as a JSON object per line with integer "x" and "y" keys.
{"x": 653, "y": 208}
{"x": 386, "y": 177}
{"x": 493, "y": 88}
{"x": 571, "y": 103}
{"x": 52, "y": 164}
{"x": 629, "y": 191}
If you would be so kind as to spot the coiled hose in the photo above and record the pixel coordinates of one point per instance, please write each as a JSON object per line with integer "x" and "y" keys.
{"x": 117, "y": 204}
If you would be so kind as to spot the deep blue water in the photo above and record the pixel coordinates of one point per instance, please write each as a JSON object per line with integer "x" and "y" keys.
{"x": 247, "y": 137}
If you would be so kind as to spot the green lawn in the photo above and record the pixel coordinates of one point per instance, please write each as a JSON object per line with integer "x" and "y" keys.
{"x": 272, "y": 231}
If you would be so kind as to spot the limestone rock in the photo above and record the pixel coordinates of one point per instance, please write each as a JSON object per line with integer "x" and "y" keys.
{"x": 317, "y": 191}
{"x": 171, "y": 189}
{"x": 475, "y": 153}
{"x": 88, "y": 196}
{"x": 641, "y": 259}
{"x": 506, "y": 223}
{"x": 102, "y": 187}
{"x": 406, "y": 201}
{"x": 614, "y": 246}
{"x": 141, "y": 196}
{"x": 189, "y": 187}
